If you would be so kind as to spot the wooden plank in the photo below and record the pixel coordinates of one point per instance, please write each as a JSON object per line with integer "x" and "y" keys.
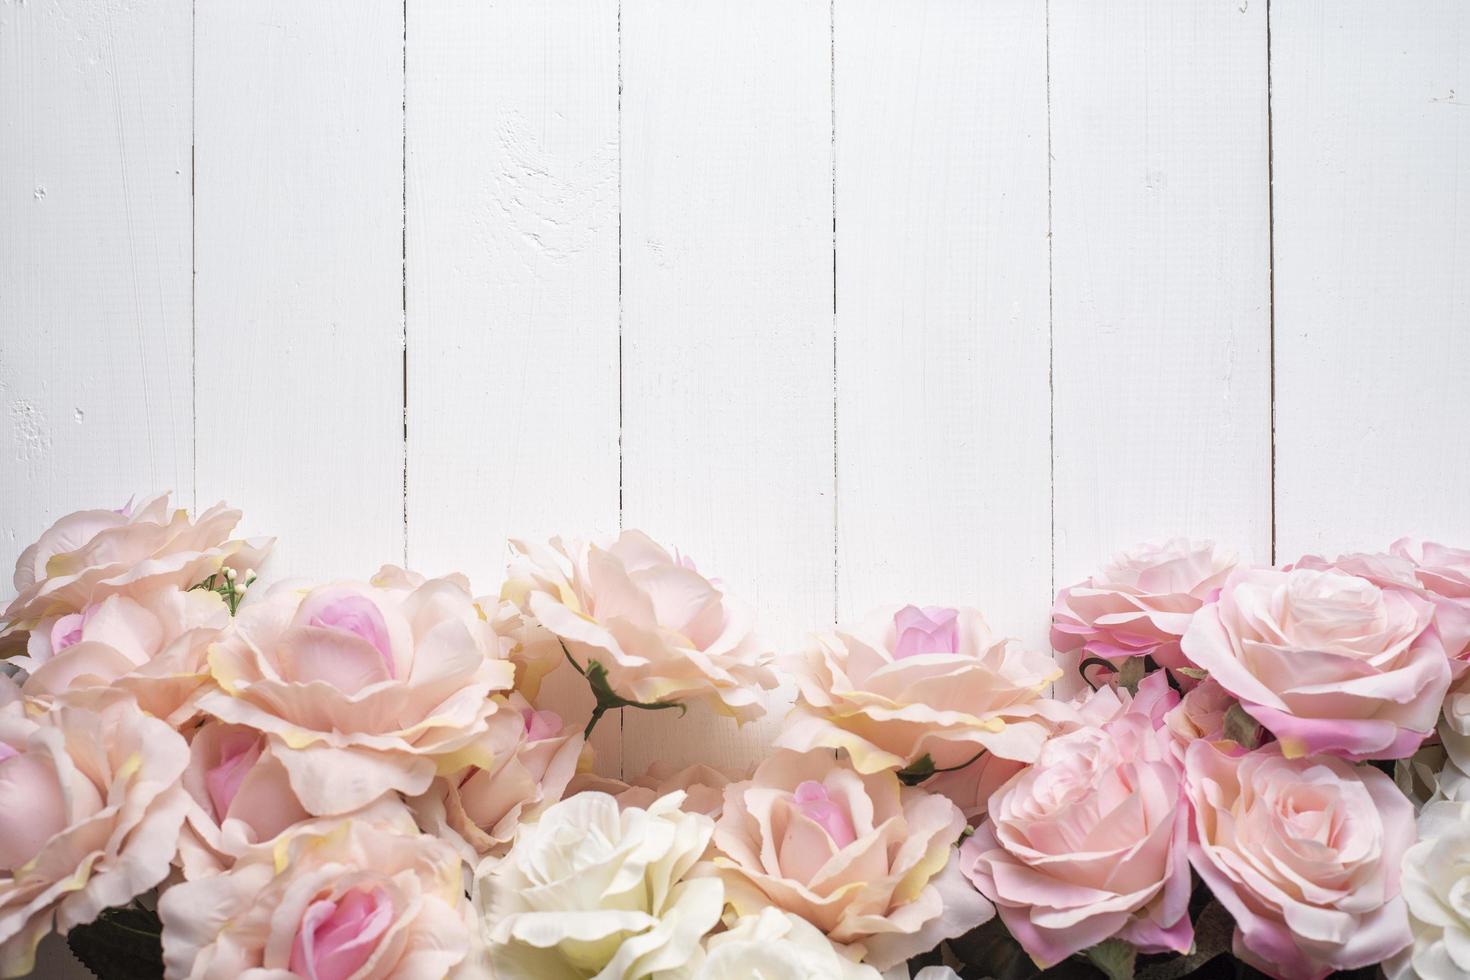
{"x": 1160, "y": 238}
{"x": 95, "y": 385}
{"x": 299, "y": 276}
{"x": 512, "y": 285}
{"x": 727, "y": 326}
{"x": 1371, "y": 112}
{"x": 944, "y": 467}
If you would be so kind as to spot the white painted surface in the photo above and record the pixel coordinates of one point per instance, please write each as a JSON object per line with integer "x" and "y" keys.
{"x": 617, "y": 261}
{"x": 727, "y": 316}
{"x": 1372, "y": 152}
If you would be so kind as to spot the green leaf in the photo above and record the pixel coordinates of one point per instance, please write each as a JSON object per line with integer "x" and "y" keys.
{"x": 1132, "y": 673}
{"x": 916, "y": 772}
{"x": 1213, "y": 931}
{"x": 1241, "y": 728}
{"x": 1113, "y": 957}
{"x": 122, "y": 944}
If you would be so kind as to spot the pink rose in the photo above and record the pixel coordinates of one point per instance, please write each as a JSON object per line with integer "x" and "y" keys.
{"x": 703, "y": 787}
{"x": 1444, "y": 575}
{"x": 1304, "y": 853}
{"x": 661, "y": 630}
{"x": 361, "y": 899}
{"x": 1327, "y": 662}
{"x": 90, "y": 809}
{"x": 529, "y": 758}
{"x": 153, "y": 645}
{"x": 914, "y": 682}
{"x": 1140, "y": 603}
{"x": 363, "y": 689}
{"x": 1089, "y": 843}
{"x": 92, "y": 554}
{"x": 862, "y": 857}
{"x": 1199, "y": 715}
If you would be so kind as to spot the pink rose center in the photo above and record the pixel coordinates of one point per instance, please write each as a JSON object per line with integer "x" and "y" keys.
{"x": 336, "y": 938}
{"x": 238, "y": 752}
{"x": 933, "y": 629}
{"x": 67, "y": 631}
{"x": 814, "y": 804}
{"x": 359, "y": 616}
{"x": 541, "y": 724}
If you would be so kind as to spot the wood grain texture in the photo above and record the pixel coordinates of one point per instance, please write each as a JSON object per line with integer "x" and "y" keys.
{"x": 727, "y": 318}
{"x": 512, "y": 287}
{"x": 944, "y": 470}
{"x": 95, "y": 388}
{"x": 299, "y": 276}
{"x": 1371, "y": 106}
{"x": 1160, "y": 277}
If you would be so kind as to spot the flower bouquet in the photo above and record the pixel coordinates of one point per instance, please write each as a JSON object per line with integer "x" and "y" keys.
{"x": 202, "y": 777}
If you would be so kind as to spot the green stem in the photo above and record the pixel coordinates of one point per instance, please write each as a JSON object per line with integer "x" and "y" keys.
{"x": 606, "y": 698}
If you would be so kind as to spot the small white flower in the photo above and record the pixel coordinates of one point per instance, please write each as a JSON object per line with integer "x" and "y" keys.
{"x": 1436, "y": 886}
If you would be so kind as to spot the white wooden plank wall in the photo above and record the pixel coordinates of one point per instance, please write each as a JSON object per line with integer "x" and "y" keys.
{"x": 1160, "y": 277}
{"x": 727, "y": 317}
{"x": 942, "y": 327}
{"x": 856, "y": 302}
{"x": 1371, "y": 106}
{"x": 298, "y": 244}
{"x": 512, "y": 286}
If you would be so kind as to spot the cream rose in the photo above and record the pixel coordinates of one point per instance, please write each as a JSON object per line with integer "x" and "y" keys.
{"x": 1327, "y": 662}
{"x": 531, "y": 758}
{"x": 362, "y": 688}
{"x": 914, "y": 683}
{"x": 154, "y": 646}
{"x": 1436, "y": 884}
{"x": 359, "y": 899}
{"x": 92, "y": 554}
{"x": 1140, "y": 603}
{"x": 660, "y": 629}
{"x": 776, "y": 945}
{"x": 90, "y": 810}
{"x": 868, "y": 861}
{"x": 589, "y": 889}
{"x": 1089, "y": 843}
{"x": 1304, "y": 854}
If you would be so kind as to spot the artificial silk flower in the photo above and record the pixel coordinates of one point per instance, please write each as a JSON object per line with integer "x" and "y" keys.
{"x": 1140, "y": 603}
{"x": 910, "y": 683}
{"x": 530, "y": 757}
{"x": 703, "y": 787}
{"x": 662, "y": 631}
{"x": 362, "y": 688}
{"x": 865, "y": 859}
{"x": 1304, "y": 853}
{"x": 776, "y": 945}
{"x": 1328, "y": 662}
{"x": 90, "y": 810}
{"x": 365, "y": 899}
{"x": 590, "y": 889}
{"x": 92, "y": 554}
{"x": 1089, "y": 843}
{"x": 1436, "y": 879}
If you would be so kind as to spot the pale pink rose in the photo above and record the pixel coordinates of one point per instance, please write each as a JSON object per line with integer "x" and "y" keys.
{"x": 913, "y": 682}
{"x": 703, "y": 787}
{"x": 363, "y": 689}
{"x": 862, "y": 857}
{"x": 153, "y": 645}
{"x": 1140, "y": 603}
{"x": 90, "y": 809}
{"x": 240, "y": 797}
{"x": 92, "y": 554}
{"x": 1444, "y": 574}
{"x": 361, "y": 899}
{"x": 529, "y": 756}
{"x": 663, "y": 631}
{"x": 1304, "y": 854}
{"x": 1089, "y": 843}
{"x": 1327, "y": 662}
{"x": 1199, "y": 715}
{"x": 533, "y": 648}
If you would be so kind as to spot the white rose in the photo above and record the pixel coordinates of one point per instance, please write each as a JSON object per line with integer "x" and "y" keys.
{"x": 1436, "y": 879}
{"x": 776, "y": 945}
{"x": 591, "y": 891}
